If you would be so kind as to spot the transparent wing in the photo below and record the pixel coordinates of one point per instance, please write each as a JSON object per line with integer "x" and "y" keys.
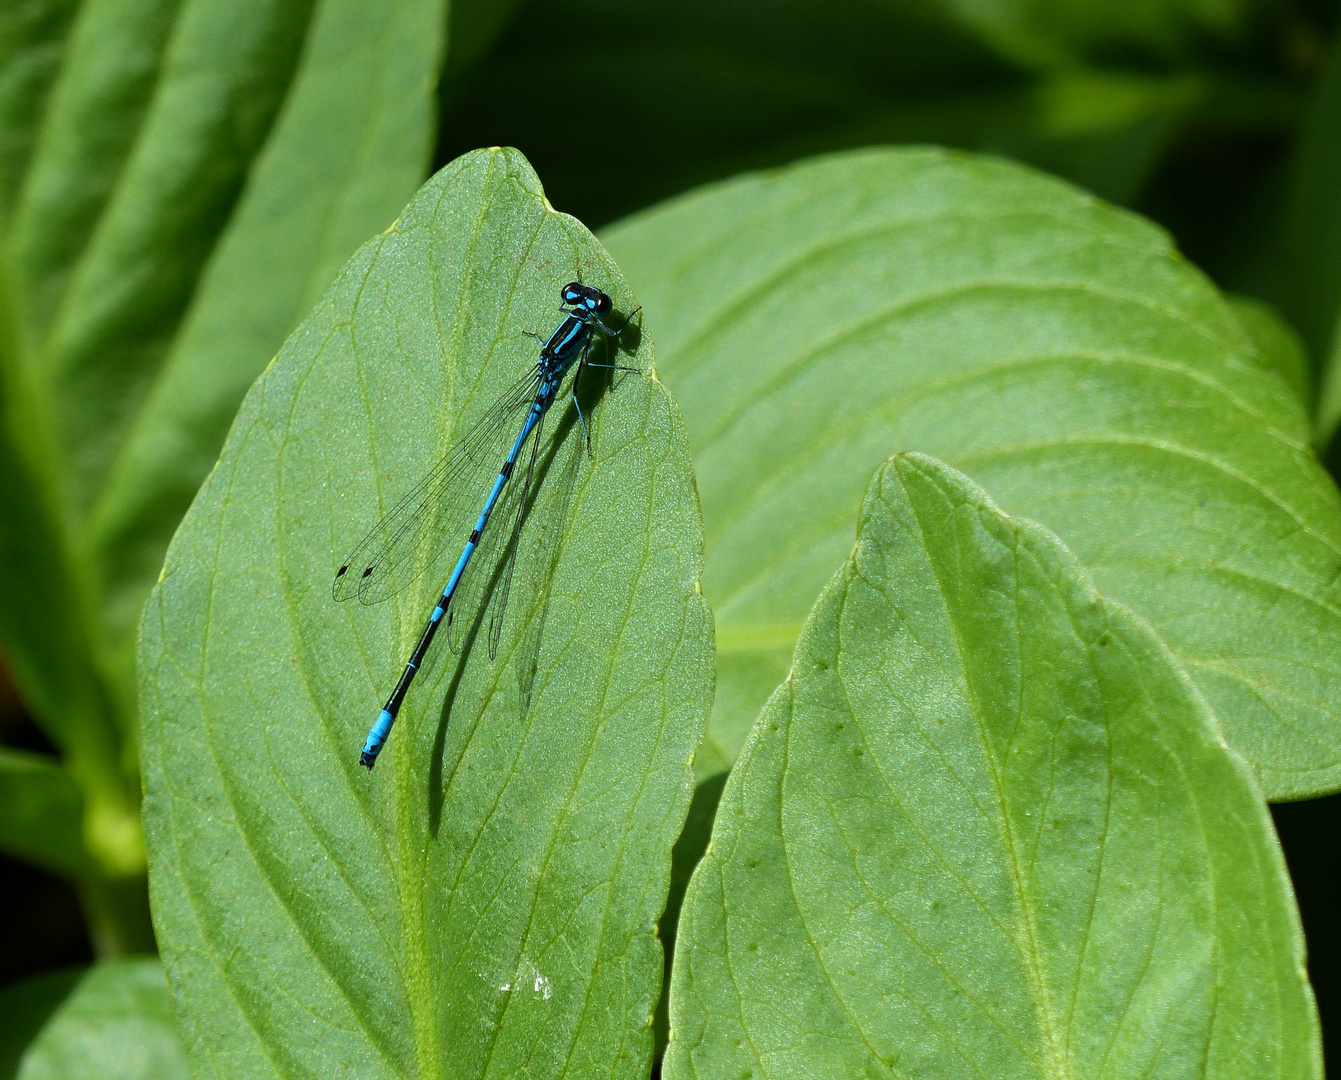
{"x": 546, "y": 523}
{"x": 498, "y": 600}
{"x": 489, "y": 574}
{"x": 411, "y": 538}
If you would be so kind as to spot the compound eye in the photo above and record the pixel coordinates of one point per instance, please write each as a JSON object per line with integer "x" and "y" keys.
{"x": 603, "y": 304}
{"x": 571, "y": 293}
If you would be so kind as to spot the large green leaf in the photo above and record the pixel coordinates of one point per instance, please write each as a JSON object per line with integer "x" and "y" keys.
{"x": 39, "y": 620}
{"x": 197, "y": 173}
{"x": 813, "y": 321}
{"x": 485, "y": 902}
{"x": 987, "y": 827}
{"x": 116, "y": 1024}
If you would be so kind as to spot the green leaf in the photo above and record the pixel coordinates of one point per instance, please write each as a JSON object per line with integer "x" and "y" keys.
{"x": 813, "y": 321}
{"x": 32, "y": 44}
{"x": 25, "y": 1007}
{"x": 38, "y": 616}
{"x": 1279, "y": 346}
{"x": 486, "y": 901}
{"x": 987, "y": 827}
{"x": 200, "y": 170}
{"x": 117, "y": 1024}
{"x": 41, "y": 813}
{"x": 349, "y": 148}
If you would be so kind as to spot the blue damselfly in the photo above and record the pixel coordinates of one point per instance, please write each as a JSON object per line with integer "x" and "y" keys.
{"x": 406, "y": 541}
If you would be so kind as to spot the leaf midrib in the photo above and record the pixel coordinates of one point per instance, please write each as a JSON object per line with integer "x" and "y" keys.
{"x": 1056, "y": 1056}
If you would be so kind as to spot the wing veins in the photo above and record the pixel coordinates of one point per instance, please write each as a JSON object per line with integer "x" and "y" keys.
{"x": 370, "y": 571}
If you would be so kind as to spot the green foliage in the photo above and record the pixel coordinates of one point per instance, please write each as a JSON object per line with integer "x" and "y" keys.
{"x": 114, "y": 1022}
{"x": 178, "y": 184}
{"x": 486, "y": 901}
{"x": 813, "y": 320}
{"x": 987, "y": 827}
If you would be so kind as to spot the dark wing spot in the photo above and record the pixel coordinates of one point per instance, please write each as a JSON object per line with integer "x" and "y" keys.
{"x": 367, "y": 571}
{"x": 341, "y": 571}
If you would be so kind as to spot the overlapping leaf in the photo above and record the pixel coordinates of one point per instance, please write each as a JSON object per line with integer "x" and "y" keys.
{"x": 987, "y": 827}
{"x": 114, "y": 1023}
{"x": 813, "y": 321}
{"x": 485, "y": 902}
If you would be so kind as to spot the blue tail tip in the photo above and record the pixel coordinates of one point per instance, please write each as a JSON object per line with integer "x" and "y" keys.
{"x": 367, "y": 760}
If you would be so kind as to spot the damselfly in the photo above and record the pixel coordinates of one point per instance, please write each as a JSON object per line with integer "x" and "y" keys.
{"x": 408, "y": 539}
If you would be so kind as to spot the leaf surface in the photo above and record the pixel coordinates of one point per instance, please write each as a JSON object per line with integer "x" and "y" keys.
{"x": 987, "y": 827}
{"x": 815, "y": 320}
{"x": 116, "y": 1024}
{"x": 485, "y": 902}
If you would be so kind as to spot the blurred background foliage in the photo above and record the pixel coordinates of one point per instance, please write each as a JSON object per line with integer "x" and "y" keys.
{"x": 180, "y": 179}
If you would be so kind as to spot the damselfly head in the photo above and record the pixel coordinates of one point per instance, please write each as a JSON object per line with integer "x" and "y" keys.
{"x": 575, "y": 294}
